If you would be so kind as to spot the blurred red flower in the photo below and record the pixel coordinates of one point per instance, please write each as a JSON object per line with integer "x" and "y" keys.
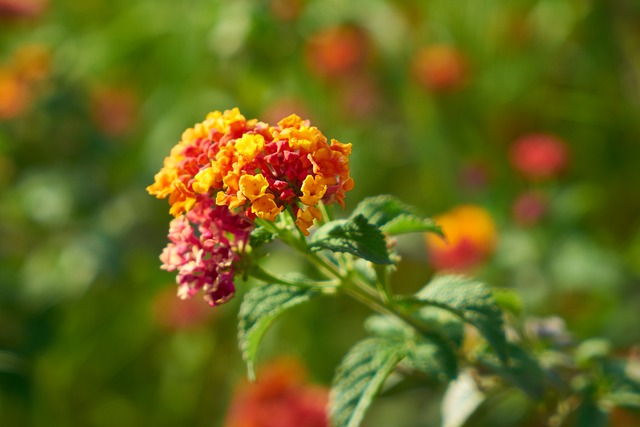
{"x": 539, "y": 156}
{"x": 281, "y": 397}
{"x": 440, "y": 68}
{"x": 337, "y": 52}
{"x": 470, "y": 239}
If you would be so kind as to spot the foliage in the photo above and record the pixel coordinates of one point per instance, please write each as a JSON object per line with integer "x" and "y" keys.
{"x": 525, "y": 109}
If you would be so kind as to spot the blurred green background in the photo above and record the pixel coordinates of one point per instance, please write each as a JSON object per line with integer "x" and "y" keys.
{"x": 94, "y": 94}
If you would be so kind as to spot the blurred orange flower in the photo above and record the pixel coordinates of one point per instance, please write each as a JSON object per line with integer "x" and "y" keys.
{"x": 470, "y": 239}
{"x": 14, "y": 94}
{"x": 337, "y": 52}
{"x": 28, "y": 65}
{"x": 32, "y": 62}
{"x": 281, "y": 397}
{"x": 539, "y": 156}
{"x": 287, "y": 10}
{"x": 440, "y": 67}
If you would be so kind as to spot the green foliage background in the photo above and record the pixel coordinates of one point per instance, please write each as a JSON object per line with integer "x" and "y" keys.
{"x": 82, "y": 335}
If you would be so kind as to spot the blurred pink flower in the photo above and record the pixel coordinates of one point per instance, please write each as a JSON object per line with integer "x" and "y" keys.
{"x": 114, "y": 110}
{"x": 283, "y": 107}
{"x": 171, "y": 313}
{"x": 360, "y": 96}
{"x": 16, "y": 9}
{"x": 281, "y": 397}
{"x": 528, "y": 208}
{"x": 539, "y": 156}
{"x": 474, "y": 176}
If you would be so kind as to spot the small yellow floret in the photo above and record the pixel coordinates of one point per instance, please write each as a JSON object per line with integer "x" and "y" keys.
{"x": 250, "y": 145}
{"x": 203, "y": 181}
{"x": 252, "y": 186}
{"x": 312, "y": 190}
{"x": 266, "y": 208}
{"x": 304, "y": 219}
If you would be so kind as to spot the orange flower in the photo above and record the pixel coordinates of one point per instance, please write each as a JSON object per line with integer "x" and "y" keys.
{"x": 440, "y": 68}
{"x": 337, "y": 52}
{"x": 255, "y": 169}
{"x": 280, "y": 398}
{"x": 14, "y": 95}
{"x": 470, "y": 238}
{"x": 305, "y": 218}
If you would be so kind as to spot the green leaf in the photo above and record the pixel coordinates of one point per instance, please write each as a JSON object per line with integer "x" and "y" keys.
{"x": 354, "y": 235}
{"x": 591, "y": 414}
{"x": 259, "y": 308}
{"x": 444, "y": 323}
{"x": 523, "y": 371}
{"x": 359, "y": 377}
{"x": 432, "y": 355}
{"x": 388, "y": 326}
{"x": 394, "y": 217}
{"x": 508, "y": 300}
{"x": 434, "y": 359}
{"x": 591, "y": 350}
{"x": 473, "y": 302}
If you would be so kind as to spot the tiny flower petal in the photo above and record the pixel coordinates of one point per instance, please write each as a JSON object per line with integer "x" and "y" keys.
{"x": 250, "y": 145}
{"x": 305, "y": 218}
{"x": 253, "y": 186}
{"x": 312, "y": 190}
{"x": 266, "y": 208}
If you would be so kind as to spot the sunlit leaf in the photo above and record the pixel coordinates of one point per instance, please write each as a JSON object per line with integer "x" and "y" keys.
{"x": 432, "y": 358}
{"x": 473, "y": 302}
{"x": 259, "y": 308}
{"x": 356, "y": 236}
{"x": 394, "y": 217}
{"x": 359, "y": 377}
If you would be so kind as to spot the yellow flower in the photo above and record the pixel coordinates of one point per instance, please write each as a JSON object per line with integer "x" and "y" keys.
{"x": 250, "y": 145}
{"x": 305, "y": 218}
{"x": 470, "y": 238}
{"x": 266, "y": 208}
{"x": 312, "y": 190}
{"x": 253, "y": 186}
{"x": 203, "y": 181}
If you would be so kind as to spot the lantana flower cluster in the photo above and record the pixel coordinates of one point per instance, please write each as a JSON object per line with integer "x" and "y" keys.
{"x": 226, "y": 172}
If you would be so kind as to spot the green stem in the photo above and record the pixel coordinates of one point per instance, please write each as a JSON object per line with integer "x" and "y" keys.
{"x": 266, "y": 276}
